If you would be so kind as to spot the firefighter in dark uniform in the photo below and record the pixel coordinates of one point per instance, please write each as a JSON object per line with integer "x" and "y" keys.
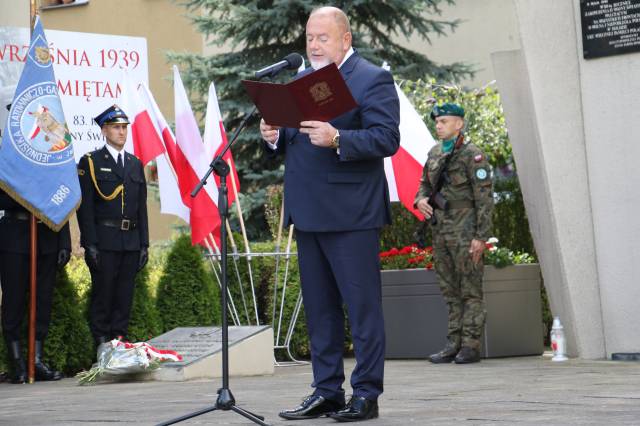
{"x": 54, "y": 250}
{"x": 113, "y": 226}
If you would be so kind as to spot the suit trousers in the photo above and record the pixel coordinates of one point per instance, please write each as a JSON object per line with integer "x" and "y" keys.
{"x": 14, "y": 275}
{"x": 339, "y": 268}
{"x": 112, "y": 293}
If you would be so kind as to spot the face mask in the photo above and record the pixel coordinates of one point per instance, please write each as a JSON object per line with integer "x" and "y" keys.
{"x": 447, "y": 146}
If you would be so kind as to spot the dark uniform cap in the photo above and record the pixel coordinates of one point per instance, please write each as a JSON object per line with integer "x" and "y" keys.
{"x": 111, "y": 115}
{"x": 447, "y": 109}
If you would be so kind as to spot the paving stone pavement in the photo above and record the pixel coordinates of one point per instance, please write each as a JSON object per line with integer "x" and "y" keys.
{"x": 508, "y": 391}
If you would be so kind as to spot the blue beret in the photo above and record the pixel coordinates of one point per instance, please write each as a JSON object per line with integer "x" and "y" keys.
{"x": 447, "y": 109}
{"x": 111, "y": 115}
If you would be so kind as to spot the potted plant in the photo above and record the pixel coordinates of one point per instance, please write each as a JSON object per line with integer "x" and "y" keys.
{"x": 416, "y": 314}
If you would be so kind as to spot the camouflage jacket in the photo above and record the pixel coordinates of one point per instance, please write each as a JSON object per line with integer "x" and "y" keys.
{"x": 470, "y": 182}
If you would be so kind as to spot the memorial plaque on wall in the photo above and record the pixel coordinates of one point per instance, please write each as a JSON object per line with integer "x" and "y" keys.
{"x": 610, "y": 27}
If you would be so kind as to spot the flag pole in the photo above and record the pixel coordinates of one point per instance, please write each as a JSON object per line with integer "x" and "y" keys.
{"x": 33, "y": 256}
{"x": 244, "y": 236}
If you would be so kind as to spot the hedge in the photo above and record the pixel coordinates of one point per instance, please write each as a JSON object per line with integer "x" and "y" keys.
{"x": 186, "y": 295}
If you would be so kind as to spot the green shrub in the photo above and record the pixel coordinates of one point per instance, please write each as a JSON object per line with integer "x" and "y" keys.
{"x": 510, "y": 223}
{"x": 401, "y": 232}
{"x": 144, "y": 323}
{"x": 264, "y": 279}
{"x": 186, "y": 295}
{"x": 4, "y": 360}
{"x": 69, "y": 346}
{"x": 145, "y": 320}
{"x": 78, "y": 273}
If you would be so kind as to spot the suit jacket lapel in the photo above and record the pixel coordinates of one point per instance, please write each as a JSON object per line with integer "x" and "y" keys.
{"x": 347, "y": 68}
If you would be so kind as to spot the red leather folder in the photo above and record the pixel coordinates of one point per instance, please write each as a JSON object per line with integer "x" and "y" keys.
{"x": 321, "y": 95}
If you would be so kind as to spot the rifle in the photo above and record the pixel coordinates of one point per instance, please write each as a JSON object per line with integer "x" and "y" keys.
{"x": 437, "y": 200}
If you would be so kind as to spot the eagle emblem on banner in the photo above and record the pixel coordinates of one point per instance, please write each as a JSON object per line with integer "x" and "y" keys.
{"x": 42, "y": 55}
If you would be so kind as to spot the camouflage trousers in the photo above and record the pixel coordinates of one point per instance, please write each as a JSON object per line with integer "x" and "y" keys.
{"x": 461, "y": 285}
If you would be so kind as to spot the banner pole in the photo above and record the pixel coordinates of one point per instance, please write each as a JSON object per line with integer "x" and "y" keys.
{"x": 33, "y": 11}
{"x": 33, "y": 253}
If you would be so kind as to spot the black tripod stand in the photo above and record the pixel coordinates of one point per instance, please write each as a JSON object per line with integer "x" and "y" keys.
{"x": 225, "y": 400}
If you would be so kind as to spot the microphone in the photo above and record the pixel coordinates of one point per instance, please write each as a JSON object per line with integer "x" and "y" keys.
{"x": 290, "y": 62}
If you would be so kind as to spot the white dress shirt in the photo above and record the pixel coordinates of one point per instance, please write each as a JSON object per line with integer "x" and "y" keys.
{"x": 114, "y": 153}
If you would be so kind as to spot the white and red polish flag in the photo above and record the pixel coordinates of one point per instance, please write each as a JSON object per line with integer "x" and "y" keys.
{"x": 191, "y": 164}
{"x": 215, "y": 139}
{"x": 143, "y": 139}
{"x": 168, "y": 182}
{"x": 404, "y": 168}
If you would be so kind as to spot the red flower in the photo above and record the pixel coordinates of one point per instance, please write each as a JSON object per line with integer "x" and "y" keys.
{"x": 430, "y": 265}
{"x": 406, "y": 250}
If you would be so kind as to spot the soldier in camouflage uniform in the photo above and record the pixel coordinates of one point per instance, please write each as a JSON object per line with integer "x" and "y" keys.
{"x": 460, "y": 230}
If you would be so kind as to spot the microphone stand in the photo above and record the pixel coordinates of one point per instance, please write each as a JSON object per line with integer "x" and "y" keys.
{"x": 225, "y": 401}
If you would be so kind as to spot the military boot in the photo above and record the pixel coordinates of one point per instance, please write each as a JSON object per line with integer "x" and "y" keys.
{"x": 446, "y": 355}
{"x": 17, "y": 362}
{"x": 467, "y": 355}
{"x": 43, "y": 372}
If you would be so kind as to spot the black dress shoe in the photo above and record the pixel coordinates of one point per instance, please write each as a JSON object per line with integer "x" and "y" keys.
{"x": 445, "y": 356}
{"x": 312, "y": 407}
{"x": 467, "y": 355}
{"x": 358, "y": 408}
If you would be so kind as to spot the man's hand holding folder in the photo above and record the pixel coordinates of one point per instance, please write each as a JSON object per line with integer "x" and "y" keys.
{"x": 307, "y": 102}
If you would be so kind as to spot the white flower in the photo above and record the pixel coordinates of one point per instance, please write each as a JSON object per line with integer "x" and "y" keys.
{"x": 492, "y": 240}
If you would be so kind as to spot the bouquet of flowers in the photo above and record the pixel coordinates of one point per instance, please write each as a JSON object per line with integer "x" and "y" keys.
{"x": 117, "y": 357}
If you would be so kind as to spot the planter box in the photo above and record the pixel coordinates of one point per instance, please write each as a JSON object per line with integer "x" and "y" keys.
{"x": 416, "y": 315}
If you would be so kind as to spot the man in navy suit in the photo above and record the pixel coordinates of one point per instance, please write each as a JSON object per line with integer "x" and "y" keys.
{"x": 336, "y": 195}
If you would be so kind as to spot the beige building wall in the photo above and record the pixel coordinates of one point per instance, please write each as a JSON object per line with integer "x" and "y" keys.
{"x": 162, "y": 22}
{"x": 487, "y": 26}
{"x": 12, "y": 14}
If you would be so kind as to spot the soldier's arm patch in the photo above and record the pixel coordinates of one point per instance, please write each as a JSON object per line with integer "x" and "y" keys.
{"x": 481, "y": 173}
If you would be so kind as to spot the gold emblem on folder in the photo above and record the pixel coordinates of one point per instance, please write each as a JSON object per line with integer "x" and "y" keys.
{"x": 320, "y": 91}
